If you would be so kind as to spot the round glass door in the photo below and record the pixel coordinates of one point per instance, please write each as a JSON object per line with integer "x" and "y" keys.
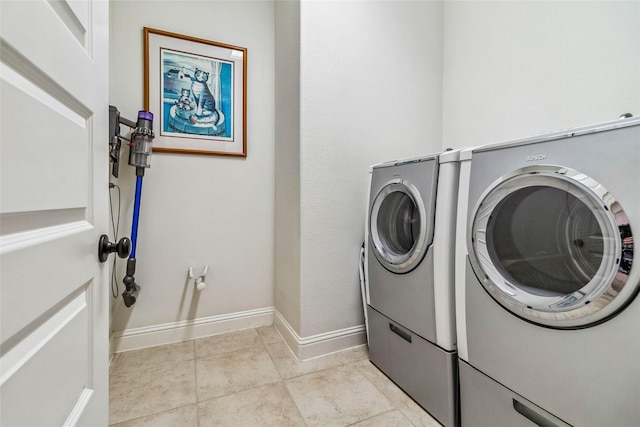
{"x": 397, "y": 227}
{"x": 552, "y": 246}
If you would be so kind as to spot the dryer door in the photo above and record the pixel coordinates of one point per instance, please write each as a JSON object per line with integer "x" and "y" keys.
{"x": 398, "y": 226}
{"x": 553, "y": 247}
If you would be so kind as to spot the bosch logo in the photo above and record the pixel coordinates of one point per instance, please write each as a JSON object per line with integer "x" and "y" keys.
{"x": 536, "y": 157}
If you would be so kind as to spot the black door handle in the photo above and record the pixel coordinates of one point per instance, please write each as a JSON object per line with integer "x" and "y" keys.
{"x": 105, "y": 247}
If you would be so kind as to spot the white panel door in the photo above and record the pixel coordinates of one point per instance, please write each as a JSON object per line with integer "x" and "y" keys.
{"x": 53, "y": 206}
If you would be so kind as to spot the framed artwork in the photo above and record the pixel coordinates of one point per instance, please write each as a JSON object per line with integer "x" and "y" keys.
{"x": 197, "y": 91}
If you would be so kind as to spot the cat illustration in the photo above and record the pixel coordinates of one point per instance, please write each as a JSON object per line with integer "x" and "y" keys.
{"x": 185, "y": 102}
{"x": 205, "y": 102}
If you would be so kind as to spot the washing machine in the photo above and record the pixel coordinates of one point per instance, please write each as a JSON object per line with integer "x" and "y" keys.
{"x": 409, "y": 250}
{"x": 546, "y": 285}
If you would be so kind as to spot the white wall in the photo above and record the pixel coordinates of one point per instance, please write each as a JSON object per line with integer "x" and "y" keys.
{"x": 520, "y": 68}
{"x": 196, "y": 209}
{"x": 287, "y": 162}
{"x": 370, "y": 91}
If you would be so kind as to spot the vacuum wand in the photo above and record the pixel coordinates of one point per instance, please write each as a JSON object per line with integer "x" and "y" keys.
{"x": 139, "y": 156}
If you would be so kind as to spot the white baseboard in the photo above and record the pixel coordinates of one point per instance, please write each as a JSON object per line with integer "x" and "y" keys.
{"x": 320, "y": 344}
{"x": 167, "y": 333}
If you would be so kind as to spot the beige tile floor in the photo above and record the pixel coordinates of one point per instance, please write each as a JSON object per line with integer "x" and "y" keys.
{"x": 251, "y": 378}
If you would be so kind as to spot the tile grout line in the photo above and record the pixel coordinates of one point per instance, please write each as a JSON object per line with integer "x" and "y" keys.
{"x": 282, "y": 379}
{"x": 381, "y": 391}
{"x": 152, "y": 414}
{"x": 195, "y": 373}
{"x": 266, "y": 347}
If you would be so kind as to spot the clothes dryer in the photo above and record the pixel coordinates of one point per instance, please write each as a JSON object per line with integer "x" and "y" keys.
{"x": 546, "y": 292}
{"x": 410, "y": 276}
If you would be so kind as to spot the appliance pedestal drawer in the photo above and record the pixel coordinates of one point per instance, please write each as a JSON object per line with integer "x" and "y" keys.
{"x": 487, "y": 403}
{"x": 423, "y": 370}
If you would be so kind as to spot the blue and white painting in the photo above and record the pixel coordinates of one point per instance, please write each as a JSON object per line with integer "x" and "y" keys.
{"x": 197, "y": 94}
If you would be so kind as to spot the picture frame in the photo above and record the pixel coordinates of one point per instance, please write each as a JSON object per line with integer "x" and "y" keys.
{"x": 197, "y": 91}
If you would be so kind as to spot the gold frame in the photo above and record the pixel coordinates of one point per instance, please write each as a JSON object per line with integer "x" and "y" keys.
{"x": 172, "y": 141}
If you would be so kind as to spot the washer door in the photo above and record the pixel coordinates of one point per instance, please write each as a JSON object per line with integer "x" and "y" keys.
{"x": 553, "y": 247}
{"x": 398, "y": 227}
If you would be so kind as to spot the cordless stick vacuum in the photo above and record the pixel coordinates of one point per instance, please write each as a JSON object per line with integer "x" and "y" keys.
{"x": 139, "y": 156}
